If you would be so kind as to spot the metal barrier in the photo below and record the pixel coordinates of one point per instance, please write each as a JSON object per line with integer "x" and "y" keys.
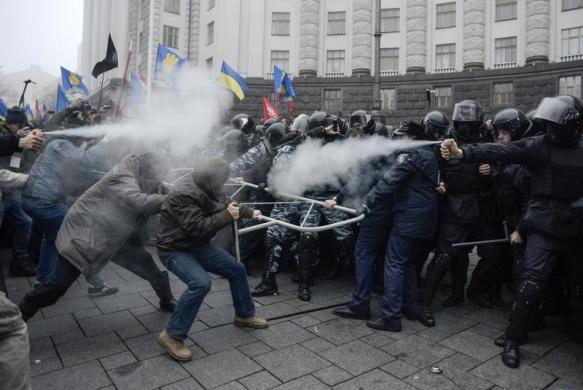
{"x": 504, "y": 240}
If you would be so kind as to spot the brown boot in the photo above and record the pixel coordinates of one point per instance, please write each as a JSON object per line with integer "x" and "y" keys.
{"x": 253, "y": 322}
{"x": 176, "y": 349}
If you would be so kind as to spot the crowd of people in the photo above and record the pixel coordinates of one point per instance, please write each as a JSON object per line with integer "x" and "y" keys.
{"x": 87, "y": 202}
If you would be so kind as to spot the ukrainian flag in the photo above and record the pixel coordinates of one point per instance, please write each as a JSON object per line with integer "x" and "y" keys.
{"x": 73, "y": 85}
{"x": 282, "y": 84}
{"x": 232, "y": 80}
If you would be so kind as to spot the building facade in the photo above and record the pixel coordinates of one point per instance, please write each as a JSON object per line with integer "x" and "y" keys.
{"x": 329, "y": 45}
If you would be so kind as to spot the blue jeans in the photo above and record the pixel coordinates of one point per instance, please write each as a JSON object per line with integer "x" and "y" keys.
{"x": 49, "y": 218}
{"x": 400, "y": 279}
{"x": 12, "y": 207}
{"x": 371, "y": 242}
{"x": 191, "y": 267}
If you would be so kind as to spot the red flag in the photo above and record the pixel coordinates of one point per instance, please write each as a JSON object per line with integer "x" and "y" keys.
{"x": 37, "y": 111}
{"x": 268, "y": 110}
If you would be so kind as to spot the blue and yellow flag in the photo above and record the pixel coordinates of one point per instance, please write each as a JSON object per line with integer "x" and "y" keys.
{"x": 282, "y": 84}
{"x": 62, "y": 101}
{"x": 3, "y": 109}
{"x": 232, "y": 80}
{"x": 168, "y": 64}
{"x": 73, "y": 85}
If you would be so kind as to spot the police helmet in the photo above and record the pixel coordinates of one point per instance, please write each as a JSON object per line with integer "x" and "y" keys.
{"x": 468, "y": 121}
{"x": 319, "y": 118}
{"x": 273, "y": 136}
{"x": 435, "y": 124}
{"x": 234, "y": 142}
{"x": 511, "y": 120}
{"x": 563, "y": 117}
{"x": 413, "y": 129}
{"x": 359, "y": 118}
{"x": 243, "y": 122}
{"x": 300, "y": 124}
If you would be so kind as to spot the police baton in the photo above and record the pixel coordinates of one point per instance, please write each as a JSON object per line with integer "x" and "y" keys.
{"x": 504, "y": 240}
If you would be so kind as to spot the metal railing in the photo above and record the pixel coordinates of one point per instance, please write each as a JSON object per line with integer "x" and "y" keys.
{"x": 385, "y": 73}
{"x": 505, "y": 65}
{"x": 336, "y": 74}
{"x": 449, "y": 69}
{"x": 573, "y": 57}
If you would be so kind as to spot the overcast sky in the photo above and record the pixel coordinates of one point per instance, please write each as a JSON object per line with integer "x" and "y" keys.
{"x": 40, "y": 32}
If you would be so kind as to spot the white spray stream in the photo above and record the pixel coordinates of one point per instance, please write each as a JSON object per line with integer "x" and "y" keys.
{"x": 179, "y": 119}
{"x": 316, "y": 164}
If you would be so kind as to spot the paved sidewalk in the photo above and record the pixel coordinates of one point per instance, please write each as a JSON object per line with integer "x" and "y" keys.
{"x": 110, "y": 343}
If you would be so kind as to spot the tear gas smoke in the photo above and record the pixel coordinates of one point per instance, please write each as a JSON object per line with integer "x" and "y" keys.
{"x": 178, "y": 119}
{"x": 315, "y": 164}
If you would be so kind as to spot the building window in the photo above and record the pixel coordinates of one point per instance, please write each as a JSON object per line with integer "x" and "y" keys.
{"x": 210, "y": 33}
{"x": 389, "y": 59}
{"x": 572, "y": 4}
{"x": 336, "y": 23}
{"x": 503, "y": 94}
{"x": 390, "y": 20}
{"x": 335, "y": 63}
{"x": 209, "y": 63}
{"x": 280, "y": 58}
{"x": 570, "y": 85}
{"x": 280, "y": 23}
{"x": 445, "y": 15}
{"x": 445, "y": 56}
{"x": 572, "y": 41}
{"x": 211, "y": 4}
{"x": 170, "y": 36}
{"x": 172, "y": 6}
{"x": 505, "y": 10}
{"x": 505, "y": 50}
{"x": 443, "y": 95}
{"x": 388, "y": 99}
{"x": 332, "y": 101}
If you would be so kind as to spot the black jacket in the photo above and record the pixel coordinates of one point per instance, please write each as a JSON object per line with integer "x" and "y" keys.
{"x": 410, "y": 183}
{"x": 8, "y": 144}
{"x": 191, "y": 215}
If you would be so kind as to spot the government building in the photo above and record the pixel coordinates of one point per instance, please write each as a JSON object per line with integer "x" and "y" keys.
{"x": 431, "y": 53}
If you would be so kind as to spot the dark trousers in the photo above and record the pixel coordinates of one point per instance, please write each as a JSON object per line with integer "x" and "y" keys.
{"x": 371, "y": 241}
{"x": 400, "y": 291}
{"x": 132, "y": 257}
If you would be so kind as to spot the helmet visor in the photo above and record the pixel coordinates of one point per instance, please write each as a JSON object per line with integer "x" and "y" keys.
{"x": 467, "y": 112}
{"x": 556, "y": 111}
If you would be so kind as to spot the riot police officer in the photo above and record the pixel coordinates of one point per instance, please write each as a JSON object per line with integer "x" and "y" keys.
{"x": 554, "y": 216}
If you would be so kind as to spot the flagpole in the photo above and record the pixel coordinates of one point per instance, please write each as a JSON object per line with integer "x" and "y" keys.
{"x": 100, "y": 91}
{"x": 125, "y": 75}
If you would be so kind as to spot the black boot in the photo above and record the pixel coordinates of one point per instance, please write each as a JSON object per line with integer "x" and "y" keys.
{"x": 478, "y": 288}
{"x": 435, "y": 272}
{"x": 307, "y": 255}
{"x": 425, "y": 316}
{"x": 511, "y": 354}
{"x": 161, "y": 285}
{"x": 26, "y": 309}
{"x": 345, "y": 256}
{"x": 459, "y": 273}
{"x": 267, "y": 286}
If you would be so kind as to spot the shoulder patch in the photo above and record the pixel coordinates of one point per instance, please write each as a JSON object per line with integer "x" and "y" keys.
{"x": 403, "y": 158}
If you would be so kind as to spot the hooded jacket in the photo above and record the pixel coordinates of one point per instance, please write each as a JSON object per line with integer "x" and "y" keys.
{"x": 102, "y": 220}
{"x": 195, "y": 210}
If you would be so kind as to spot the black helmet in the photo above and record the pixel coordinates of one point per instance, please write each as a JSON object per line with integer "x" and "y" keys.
{"x": 511, "y": 120}
{"x": 234, "y": 144}
{"x": 273, "y": 136}
{"x": 468, "y": 120}
{"x": 538, "y": 125}
{"x": 320, "y": 118}
{"x": 411, "y": 128}
{"x": 435, "y": 124}
{"x": 300, "y": 124}
{"x": 563, "y": 116}
{"x": 243, "y": 122}
{"x": 359, "y": 118}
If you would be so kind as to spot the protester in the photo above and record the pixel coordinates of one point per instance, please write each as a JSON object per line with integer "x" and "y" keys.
{"x": 191, "y": 215}
{"x": 102, "y": 226}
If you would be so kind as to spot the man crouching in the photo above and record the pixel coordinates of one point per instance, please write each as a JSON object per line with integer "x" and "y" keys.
{"x": 191, "y": 215}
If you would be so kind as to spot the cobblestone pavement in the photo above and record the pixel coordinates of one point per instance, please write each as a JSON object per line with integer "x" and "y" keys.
{"x": 110, "y": 343}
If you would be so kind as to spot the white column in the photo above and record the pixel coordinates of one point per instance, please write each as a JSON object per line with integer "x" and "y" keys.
{"x": 474, "y": 34}
{"x": 538, "y": 22}
{"x": 416, "y": 35}
{"x": 309, "y": 37}
{"x": 362, "y": 27}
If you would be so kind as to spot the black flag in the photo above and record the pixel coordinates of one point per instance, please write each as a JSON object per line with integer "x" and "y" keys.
{"x": 109, "y": 62}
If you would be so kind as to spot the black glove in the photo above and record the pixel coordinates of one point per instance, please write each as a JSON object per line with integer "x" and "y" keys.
{"x": 262, "y": 187}
{"x": 365, "y": 210}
